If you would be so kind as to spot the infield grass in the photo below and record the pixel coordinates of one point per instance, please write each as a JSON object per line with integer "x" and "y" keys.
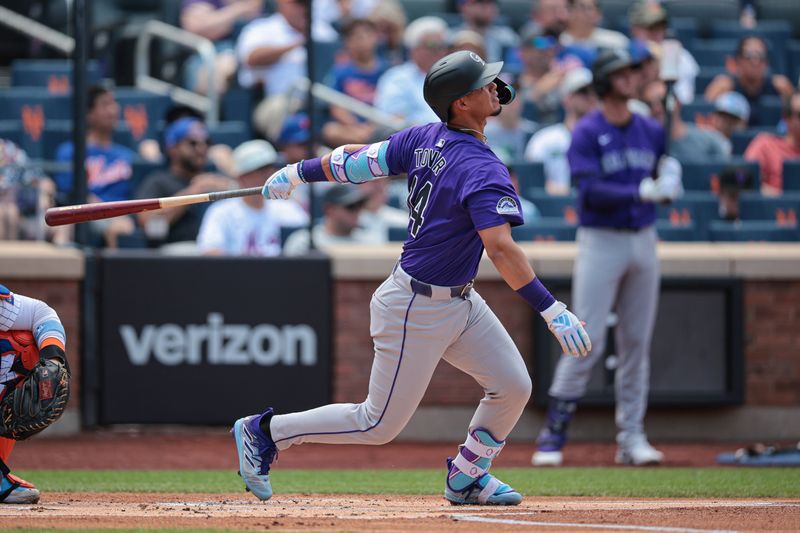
{"x": 617, "y": 482}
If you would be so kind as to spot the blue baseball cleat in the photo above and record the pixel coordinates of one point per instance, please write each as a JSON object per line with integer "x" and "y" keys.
{"x": 485, "y": 490}
{"x": 256, "y": 453}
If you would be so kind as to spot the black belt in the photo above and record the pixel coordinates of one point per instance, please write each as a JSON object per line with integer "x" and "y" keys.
{"x": 426, "y": 290}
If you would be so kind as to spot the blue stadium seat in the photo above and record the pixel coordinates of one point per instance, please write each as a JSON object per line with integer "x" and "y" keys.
{"x": 791, "y": 175}
{"x": 668, "y": 232}
{"x": 237, "y": 104}
{"x": 142, "y": 111}
{"x": 782, "y": 209}
{"x": 774, "y": 30}
{"x": 529, "y": 174}
{"x": 53, "y": 74}
{"x": 699, "y": 107}
{"x": 740, "y": 140}
{"x": 398, "y": 234}
{"x": 704, "y": 12}
{"x": 768, "y": 112}
{"x": 704, "y": 78}
{"x": 780, "y": 10}
{"x": 694, "y": 208}
{"x": 420, "y": 8}
{"x": 699, "y": 176}
{"x": 141, "y": 169}
{"x": 230, "y": 133}
{"x": 545, "y": 229}
{"x": 559, "y": 207}
{"x": 752, "y": 230}
{"x": 793, "y": 59}
{"x": 35, "y": 103}
{"x": 324, "y": 58}
{"x": 11, "y": 130}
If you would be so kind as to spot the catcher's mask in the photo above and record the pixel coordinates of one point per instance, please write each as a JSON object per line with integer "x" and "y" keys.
{"x": 457, "y": 74}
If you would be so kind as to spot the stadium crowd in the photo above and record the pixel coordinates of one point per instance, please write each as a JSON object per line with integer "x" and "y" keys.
{"x": 735, "y": 118}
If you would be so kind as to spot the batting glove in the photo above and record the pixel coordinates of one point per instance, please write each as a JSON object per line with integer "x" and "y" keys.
{"x": 281, "y": 184}
{"x": 567, "y": 329}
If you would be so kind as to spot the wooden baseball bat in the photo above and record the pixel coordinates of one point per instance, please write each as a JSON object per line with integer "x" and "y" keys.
{"x": 72, "y": 214}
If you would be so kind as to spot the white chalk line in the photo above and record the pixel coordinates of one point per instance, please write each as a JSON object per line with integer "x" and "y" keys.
{"x": 509, "y": 521}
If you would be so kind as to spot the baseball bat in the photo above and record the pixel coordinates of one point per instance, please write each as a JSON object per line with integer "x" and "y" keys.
{"x": 73, "y": 214}
{"x": 669, "y": 72}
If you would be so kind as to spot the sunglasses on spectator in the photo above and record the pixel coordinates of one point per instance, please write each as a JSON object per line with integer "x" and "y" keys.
{"x": 543, "y": 42}
{"x": 586, "y": 91}
{"x": 354, "y": 207}
{"x": 754, "y": 56}
{"x": 194, "y": 143}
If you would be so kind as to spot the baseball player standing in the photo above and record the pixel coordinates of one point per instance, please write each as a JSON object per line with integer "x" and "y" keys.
{"x": 31, "y": 337}
{"x": 612, "y": 156}
{"x": 461, "y": 201}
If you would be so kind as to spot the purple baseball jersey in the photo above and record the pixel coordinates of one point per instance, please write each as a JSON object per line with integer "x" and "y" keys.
{"x": 608, "y": 162}
{"x": 457, "y": 186}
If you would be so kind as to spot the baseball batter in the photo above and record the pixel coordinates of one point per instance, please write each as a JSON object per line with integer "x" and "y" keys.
{"x": 30, "y": 332}
{"x": 461, "y": 201}
{"x": 612, "y": 157}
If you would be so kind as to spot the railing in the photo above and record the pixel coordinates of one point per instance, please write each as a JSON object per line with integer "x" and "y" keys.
{"x": 61, "y": 42}
{"x": 205, "y": 49}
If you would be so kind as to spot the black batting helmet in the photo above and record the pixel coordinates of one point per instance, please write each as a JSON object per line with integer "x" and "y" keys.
{"x": 457, "y": 74}
{"x": 608, "y": 62}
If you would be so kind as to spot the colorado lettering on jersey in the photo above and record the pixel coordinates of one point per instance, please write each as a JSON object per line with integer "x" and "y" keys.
{"x": 631, "y": 158}
{"x": 225, "y": 344}
{"x": 426, "y": 157}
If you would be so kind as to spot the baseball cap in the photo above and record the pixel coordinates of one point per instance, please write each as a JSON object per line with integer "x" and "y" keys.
{"x": 575, "y": 80}
{"x": 295, "y": 129}
{"x": 536, "y": 38}
{"x": 184, "y": 128}
{"x": 344, "y": 195}
{"x": 253, "y": 155}
{"x": 734, "y": 104}
{"x": 647, "y": 13}
{"x": 735, "y": 179}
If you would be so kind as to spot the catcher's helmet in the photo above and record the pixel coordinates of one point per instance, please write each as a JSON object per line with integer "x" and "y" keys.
{"x": 457, "y": 74}
{"x": 608, "y": 62}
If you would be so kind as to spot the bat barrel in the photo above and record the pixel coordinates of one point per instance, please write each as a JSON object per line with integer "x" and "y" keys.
{"x": 73, "y": 214}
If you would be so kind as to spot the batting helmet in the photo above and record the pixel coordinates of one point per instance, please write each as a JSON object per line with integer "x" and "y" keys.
{"x": 608, "y": 62}
{"x": 457, "y": 74}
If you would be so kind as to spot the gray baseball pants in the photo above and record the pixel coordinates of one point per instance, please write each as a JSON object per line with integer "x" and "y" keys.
{"x": 619, "y": 271}
{"x": 411, "y": 333}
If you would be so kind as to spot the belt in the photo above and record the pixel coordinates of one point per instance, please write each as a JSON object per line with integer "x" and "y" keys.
{"x": 434, "y": 292}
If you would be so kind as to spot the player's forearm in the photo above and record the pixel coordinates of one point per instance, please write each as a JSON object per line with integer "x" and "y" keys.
{"x": 351, "y": 163}
{"x": 512, "y": 264}
{"x": 605, "y": 194}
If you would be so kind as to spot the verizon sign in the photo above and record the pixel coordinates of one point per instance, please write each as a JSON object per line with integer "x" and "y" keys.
{"x": 206, "y": 340}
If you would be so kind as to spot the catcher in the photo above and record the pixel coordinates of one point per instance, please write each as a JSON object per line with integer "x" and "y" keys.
{"x": 34, "y": 380}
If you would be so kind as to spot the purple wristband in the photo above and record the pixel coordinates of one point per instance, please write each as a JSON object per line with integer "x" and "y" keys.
{"x": 311, "y": 170}
{"x": 536, "y": 295}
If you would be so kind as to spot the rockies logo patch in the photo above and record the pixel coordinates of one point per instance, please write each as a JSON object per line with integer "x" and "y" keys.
{"x": 507, "y": 206}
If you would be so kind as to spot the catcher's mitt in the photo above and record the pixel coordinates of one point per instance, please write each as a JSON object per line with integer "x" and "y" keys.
{"x": 38, "y": 400}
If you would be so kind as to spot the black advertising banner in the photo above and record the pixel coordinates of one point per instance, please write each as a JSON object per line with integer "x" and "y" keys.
{"x": 202, "y": 340}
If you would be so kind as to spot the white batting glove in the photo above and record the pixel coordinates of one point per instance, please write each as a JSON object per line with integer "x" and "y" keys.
{"x": 567, "y": 329}
{"x": 670, "y": 178}
{"x": 281, "y": 184}
{"x": 648, "y": 190}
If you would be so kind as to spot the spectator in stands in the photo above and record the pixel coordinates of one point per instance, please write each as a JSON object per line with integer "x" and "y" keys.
{"x": 541, "y": 74}
{"x": 732, "y": 181}
{"x": 400, "y": 89}
{"x": 648, "y": 22}
{"x": 338, "y": 13}
{"x": 186, "y": 141}
{"x": 377, "y": 216}
{"x": 510, "y": 131}
{"x": 215, "y": 20}
{"x": 749, "y": 76}
{"x": 689, "y": 143}
{"x": 390, "y": 21}
{"x": 771, "y": 150}
{"x": 108, "y": 165}
{"x": 548, "y": 17}
{"x": 271, "y": 50}
{"x": 341, "y": 205}
{"x": 249, "y": 225}
{"x": 480, "y": 16}
{"x": 357, "y": 78}
{"x": 549, "y": 145}
{"x": 582, "y": 28}
{"x": 731, "y": 113}
{"x": 468, "y": 40}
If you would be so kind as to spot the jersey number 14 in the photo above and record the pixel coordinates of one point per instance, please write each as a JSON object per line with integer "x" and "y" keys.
{"x": 417, "y": 202}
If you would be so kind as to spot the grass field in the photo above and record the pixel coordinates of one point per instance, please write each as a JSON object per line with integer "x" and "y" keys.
{"x": 609, "y": 482}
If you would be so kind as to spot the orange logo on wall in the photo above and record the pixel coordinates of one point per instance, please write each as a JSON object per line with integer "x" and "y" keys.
{"x": 58, "y": 84}
{"x": 33, "y": 121}
{"x": 136, "y": 119}
{"x": 786, "y": 218}
{"x": 570, "y": 215}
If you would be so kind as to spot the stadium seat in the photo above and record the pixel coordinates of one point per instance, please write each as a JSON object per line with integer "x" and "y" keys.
{"x": 700, "y": 176}
{"x": 768, "y": 112}
{"x": 398, "y": 234}
{"x": 781, "y": 10}
{"x": 53, "y": 74}
{"x": 668, "y": 232}
{"x": 515, "y": 12}
{"x": 325, "y": 55}
{"x": 545, "y": 229}
{"x": 793, "y": 59}
{"x": 141, "y": 169}
{"x": 783, "y": 210}
{"x": 420, "y": 8}
{"x": 529, "y": 174}
{"x": 704, "y": 12}
{"x": 699, "y": 108}
{"x": 774, "y": 30}
{"x": 230, "y": 133}
{"x": 752, "y": 230}
{"x": 704, "y": 78}
{"x": 791, "y": 175}
{"x": 694, "y": 208}
{"x": 237, "y": 104}
{"x": 142, "y": 111}
{"x": 558, "y": 207}
{"x": 740, "y": 140}
{"x": 34, "y": 106}
{"x": 11, "y": 130}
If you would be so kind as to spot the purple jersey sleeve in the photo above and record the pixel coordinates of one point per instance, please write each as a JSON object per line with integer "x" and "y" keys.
{"x": 490, "y": 198}
{"x": 398, "y": 153}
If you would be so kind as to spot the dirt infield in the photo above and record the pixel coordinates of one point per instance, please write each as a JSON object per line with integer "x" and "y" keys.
{"x": 399, "y": 513}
